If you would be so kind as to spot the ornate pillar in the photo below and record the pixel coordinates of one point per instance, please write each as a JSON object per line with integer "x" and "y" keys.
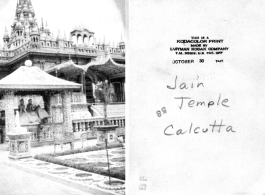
{"x": 67, "y": 113}
{"x": 9, "y": 112}
{"x": 84, "y": 82}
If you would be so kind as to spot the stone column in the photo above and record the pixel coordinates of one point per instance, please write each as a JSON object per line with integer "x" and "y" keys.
{"x": 84, "y": 82}
{"x": 67, "y": 113}
{"x": 9, "y": 112}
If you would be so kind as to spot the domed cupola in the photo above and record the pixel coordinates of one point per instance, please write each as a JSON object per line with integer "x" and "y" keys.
{"x": 15, "y": 21}
{"x": 30, "y": 18}
{"x": 43, "y": 36}
{"x": 27, "y": 29}
{"x": 22, "y": 19}
{"x": 46, "y": 29}
{"x": 53, "y": 37}
{"x": 48, "y": 37}
{"x": 122, "y": 43}
{"x": 59, "y": 37}
{"x": 25, "y": 8}
{"x": 65, "y": 38}
{"x": 34, "y": 30}
{"x": 19, "y": 25}
{"x": 6, "y": 36}
{"x": 19, "y": 8}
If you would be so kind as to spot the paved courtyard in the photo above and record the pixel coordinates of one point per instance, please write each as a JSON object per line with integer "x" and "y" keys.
{"x": 31, "y": 176}
{"x": 14, "y": 181}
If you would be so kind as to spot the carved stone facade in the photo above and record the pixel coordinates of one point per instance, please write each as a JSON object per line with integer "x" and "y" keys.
{"x": 67, "y": 112}
{"x": 19, "y": 145}
{"x": 9, "y": 111}
{"x": 29, "y": 40}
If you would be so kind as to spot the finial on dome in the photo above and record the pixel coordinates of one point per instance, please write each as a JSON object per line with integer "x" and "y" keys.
{"x": 6, "y": 30}
{"x": 65, "y": 39}
{"x": 42, "y": 27}
{"x": 6, "y": 36}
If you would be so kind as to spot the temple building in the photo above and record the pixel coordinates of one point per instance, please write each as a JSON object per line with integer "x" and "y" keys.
{"x": 77, "y": 57}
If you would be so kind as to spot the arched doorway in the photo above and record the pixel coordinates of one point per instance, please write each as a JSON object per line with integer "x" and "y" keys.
{"x": 86, "y": 40}
{"x": 79, "y": 40}
{"x": 89, "y": 90}
{"x": 74, "y": 39}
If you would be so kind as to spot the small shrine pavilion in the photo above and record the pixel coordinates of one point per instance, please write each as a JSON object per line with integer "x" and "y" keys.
{"x": 31, "y": 80}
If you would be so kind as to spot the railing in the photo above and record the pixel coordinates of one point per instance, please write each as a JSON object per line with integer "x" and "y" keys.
{"x": 76, "y": 98}
{"x": 117, "y": 97}
{"x": 88, "y": 124}
{"x": 44, "y": 132}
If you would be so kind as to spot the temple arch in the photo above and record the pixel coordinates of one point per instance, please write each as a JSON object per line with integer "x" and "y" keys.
{"x": 86, "y": 40}
{"x": 91, "y": 40}
{"x": 74, "y": 39}
{"x": 79, "y": 39}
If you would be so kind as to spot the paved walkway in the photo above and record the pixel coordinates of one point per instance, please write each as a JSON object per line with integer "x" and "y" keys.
{"x": 17, "y": 182}
{"x": 14, "y": 181}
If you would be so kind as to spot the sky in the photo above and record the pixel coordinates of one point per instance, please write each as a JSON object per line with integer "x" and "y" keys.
{"x": 106, "y": 18}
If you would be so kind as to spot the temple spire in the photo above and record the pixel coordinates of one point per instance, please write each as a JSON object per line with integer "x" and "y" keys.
{"x": 6, "y": 32}
{"x": 64, "y": 38}
{"x": 42, "y": 27}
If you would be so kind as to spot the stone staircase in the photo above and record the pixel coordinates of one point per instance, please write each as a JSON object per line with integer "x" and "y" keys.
{"x": 112, "y": 109}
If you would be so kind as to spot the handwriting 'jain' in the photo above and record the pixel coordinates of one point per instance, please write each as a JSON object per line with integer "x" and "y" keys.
{"x": 186, "y": 85}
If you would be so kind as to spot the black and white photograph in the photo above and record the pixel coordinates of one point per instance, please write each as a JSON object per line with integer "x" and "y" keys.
{"x": 62, "y": 97}
{"x": 132, "y": 97}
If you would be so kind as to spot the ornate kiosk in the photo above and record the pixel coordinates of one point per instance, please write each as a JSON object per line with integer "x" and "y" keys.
{"x": 31, "y": 81}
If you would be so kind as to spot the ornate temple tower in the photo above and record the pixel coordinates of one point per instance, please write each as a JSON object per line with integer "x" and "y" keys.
{"x": 26, "y": 35}
{"x": 6, "y": 37}
{"x": 23, "y": 24}
{"x": 122, "y": 46}
{"x": 35, "y": 37}
{"x": 60, "y": 40}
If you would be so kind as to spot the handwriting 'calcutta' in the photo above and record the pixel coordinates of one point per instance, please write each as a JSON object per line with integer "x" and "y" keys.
{"x": 191, "y": 103}
{"x": 169, "y": 130}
